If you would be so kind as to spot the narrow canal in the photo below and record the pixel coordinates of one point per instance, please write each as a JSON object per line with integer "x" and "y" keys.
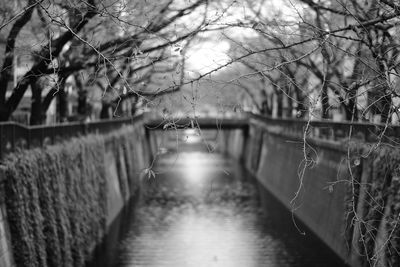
{"x": 203, "y": 209}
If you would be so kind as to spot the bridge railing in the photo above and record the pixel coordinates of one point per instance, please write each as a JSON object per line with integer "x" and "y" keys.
{"x": 15, "y": 136}
{"x": 328, "y": 130}
{"x": 157, "y": 123}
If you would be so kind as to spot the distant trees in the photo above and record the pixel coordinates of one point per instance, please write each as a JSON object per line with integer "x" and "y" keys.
{"x": 303, "y": 58}
{"x": 361, "y": 54}
{"x": 316, "y": 56}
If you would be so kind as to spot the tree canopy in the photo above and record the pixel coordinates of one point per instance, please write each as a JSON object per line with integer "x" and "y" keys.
{"x": 295, "y": 58}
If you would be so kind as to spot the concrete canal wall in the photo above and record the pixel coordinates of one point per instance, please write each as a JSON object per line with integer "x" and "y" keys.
{"x": 315, "y": 193}
{"x": 319, "y": 197}
{"x": 350, "y": 201}
{"x": 58, "y": 202}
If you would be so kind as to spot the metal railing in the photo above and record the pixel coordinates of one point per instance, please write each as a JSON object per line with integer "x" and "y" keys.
{"x": 329, "y": 130}
{"x": 17, "y": 136}
{"x": 157, "y": 123}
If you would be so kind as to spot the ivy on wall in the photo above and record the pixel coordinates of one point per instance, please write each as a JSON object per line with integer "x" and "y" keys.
{"x": 378, "y": 219}
{"x": 56, "y": 198}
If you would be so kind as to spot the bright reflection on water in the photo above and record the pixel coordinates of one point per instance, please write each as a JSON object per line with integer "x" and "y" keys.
{"x": 192, "y": 238}
{"x": 194, "y": 168}
{"x": 191, "y": 136}
{"x": 203, "y": 210}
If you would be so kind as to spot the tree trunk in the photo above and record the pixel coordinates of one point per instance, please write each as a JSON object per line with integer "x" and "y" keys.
{"x": 301, "y": 107}
{"x": 36, "y": 105}
{"x": 279, "y": 105}
{"x": 6, "y": 70}
{"x": 289, "y": 110}
{"x": 82, "y": 103}
{"x": 134, "y": 107}
{"x": 58, "y": 90}
{"x": 105, "y": 111}
{"x": 386, "y": 103}
{"x": 62, "y": 105}
{"x": 381, "y": 102}
{"x": 265, "y": 107}
{"x": 351, "y": 107}
{"x": 4, "y": 112}
{"x": 118, "y": 108}
{"x": 324, "y": 102}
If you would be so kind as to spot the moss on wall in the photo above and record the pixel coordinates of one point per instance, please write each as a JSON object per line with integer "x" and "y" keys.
{"x": 56, "y": 198}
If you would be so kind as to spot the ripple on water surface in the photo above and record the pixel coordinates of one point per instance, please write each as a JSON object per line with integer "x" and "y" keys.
{"x": 200, "y": 211}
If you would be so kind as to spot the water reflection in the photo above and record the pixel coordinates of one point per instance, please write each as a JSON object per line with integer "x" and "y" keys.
{"x": 196, "y": 213}
{"x": 193, "y": 167}
{"x": 208, "y": 239}
{"x": 191, "y": 136}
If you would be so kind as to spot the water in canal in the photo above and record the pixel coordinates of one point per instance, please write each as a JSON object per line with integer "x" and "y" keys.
{"x": 203, "y": 209}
